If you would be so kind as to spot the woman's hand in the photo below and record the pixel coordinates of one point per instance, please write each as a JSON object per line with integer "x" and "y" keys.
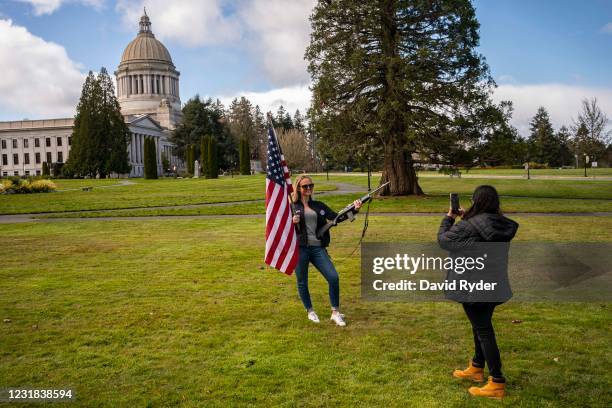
{"x": 296, "y": 219}
{"x": 453, "y": 215}
{"x": 357, "y": 204}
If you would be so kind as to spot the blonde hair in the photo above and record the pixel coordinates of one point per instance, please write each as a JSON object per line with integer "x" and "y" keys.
{"x": 297, "y": 194}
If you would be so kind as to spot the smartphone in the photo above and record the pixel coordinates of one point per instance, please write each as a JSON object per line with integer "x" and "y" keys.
{"x": 454, "y": 203}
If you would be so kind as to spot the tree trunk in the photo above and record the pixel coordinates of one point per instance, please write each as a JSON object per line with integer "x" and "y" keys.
{"x": 398, "y": 169}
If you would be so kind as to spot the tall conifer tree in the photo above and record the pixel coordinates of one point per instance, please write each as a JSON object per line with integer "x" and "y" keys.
{"x": 99, "y": 135}
{"x": 400, "y": 72}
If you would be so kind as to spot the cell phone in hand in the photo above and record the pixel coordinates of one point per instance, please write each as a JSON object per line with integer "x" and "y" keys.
{"x": 454, "y": 203}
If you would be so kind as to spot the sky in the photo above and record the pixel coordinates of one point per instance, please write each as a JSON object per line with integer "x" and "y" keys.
{"x": 540, "y": 53}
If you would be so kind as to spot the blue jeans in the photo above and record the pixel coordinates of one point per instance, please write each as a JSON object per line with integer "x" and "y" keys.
{"x": 320, "y": 259}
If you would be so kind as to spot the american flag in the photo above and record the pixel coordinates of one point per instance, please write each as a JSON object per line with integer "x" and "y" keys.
{"x": 281, "y": 239}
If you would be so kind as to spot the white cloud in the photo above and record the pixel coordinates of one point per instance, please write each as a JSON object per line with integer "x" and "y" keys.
{"x": 49, "y": 6}
{"x": 292, "y": 98}
{"x": 279, "y": 34}
{"x": 190, "y": 22}
{"x": 563, "y": 102}
{"x": 607, "y": 28}
{"x": 274, "y": 32}
{"x": 38, "y": 77}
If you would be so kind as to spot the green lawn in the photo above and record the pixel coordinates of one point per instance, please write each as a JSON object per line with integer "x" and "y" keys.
{"x": 143, "y": 193}
{"x": 597, "y": 172}
{"x": 182, "y": 312}
{"x": 387, "y": 205}
{"x": 145, "y": 196}
{"x": 509, "y": 187}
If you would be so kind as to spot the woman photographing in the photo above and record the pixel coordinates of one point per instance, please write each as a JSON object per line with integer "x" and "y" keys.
{"x": 482, "y": 222}
{"x": 310, "y": 216}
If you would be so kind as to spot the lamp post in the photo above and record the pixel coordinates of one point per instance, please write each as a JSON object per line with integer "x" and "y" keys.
{"x": 586, "y": 161}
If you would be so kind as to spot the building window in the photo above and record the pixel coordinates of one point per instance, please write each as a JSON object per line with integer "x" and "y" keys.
{"x": 37, "y": 157}
{"x": 48, "y": 141}
{"x": 15, "y": 173}
{"x": 26, "y": 144}
{"x": 4, "y": 173}
{"x": 60, "y": 157}
{"x": 38, "y": 172}
{"x": 59, "y": 141}
{"x": 69, "y": 140}
{"x": 4, "y": 144}
{"x": 49, "y": 157}
{"x": 14, "y": 143}
{"x": 26, "y": 158}
{"x": 4, "y": 160}
{"x": 27, "y": 172}
{"x": 15, "y": 159}
{"x": 37, "y": 142}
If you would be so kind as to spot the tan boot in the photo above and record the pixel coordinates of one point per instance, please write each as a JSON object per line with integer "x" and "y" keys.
{"x": 470, "y": 373}
{"x": 490, "y": 390}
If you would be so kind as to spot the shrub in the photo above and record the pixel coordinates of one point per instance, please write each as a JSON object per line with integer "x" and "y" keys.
{"x": 27, "y": 187}
{"x": 534, "y": 165}
{"x": 42, "y": 186}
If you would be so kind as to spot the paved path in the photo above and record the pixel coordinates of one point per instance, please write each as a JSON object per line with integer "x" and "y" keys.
{"x": 121, "y": 183}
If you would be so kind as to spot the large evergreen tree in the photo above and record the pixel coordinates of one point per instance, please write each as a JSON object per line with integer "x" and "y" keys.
{"x": 202, "y": 118}
{"x": 543, "y": 144}
{"x": 402, "y": 72}
{"x": 100, "y": 135}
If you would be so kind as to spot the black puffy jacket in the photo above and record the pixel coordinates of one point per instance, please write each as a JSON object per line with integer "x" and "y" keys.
{"x": 460, "y": 238}
{"x": 482, "y": 227}
{"x": 324, "y": 214}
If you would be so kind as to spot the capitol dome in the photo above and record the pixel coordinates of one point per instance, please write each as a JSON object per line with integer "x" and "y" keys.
{"x": 145, "y": 46}
{"x": 147, "y": 80}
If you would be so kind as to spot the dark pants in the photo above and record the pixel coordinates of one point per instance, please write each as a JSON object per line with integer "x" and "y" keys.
{"x": 485, "y": 345}
{"x": 320, "y": 259}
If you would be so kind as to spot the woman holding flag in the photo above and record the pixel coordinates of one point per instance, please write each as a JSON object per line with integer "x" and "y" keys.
{"x": 309, "y": 216}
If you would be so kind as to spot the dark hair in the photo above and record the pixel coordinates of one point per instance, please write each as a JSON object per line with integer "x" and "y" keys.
{"x": 484, "y": 200}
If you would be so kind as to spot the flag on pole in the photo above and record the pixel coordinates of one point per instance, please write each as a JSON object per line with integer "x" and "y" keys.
{"x": 281, "y": 239}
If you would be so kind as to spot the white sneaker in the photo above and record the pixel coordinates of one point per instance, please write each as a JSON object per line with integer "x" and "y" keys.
{"x": 338, "y": 318}
{"x": 312, "y": 315}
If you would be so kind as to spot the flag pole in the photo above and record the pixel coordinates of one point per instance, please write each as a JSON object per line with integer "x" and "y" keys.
{"x": 271, "y": 125}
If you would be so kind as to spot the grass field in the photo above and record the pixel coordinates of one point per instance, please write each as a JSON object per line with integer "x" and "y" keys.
{"x": 164, "y": 313}
{"x": 597, "y": 172}
{"x": 182, "y": 312}
{"x": 109, "y": 194}
{"x": 144, "y": 196}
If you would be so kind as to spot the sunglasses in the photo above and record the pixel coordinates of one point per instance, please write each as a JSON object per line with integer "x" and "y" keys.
{"x": 307, "y": 186}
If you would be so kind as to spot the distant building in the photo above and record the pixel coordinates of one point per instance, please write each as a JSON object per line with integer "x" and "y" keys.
{"x": 148, "y": 92}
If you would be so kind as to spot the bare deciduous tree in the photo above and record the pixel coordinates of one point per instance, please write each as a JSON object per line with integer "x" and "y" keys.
{"x": 591, "y": 133}
{"x": 295, "y": 149}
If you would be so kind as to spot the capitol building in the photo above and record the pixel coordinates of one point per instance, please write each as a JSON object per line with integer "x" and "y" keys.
{"x": 148, "y": 92}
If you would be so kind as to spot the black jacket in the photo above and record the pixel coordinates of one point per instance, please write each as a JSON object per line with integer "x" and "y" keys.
{"x": 479, "y": 228}
{"x": 461, "y": 238}
{"x": 324, "y": 213}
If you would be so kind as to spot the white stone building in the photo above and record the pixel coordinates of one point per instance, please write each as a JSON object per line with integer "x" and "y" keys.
{"x": 148, "y": 92}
